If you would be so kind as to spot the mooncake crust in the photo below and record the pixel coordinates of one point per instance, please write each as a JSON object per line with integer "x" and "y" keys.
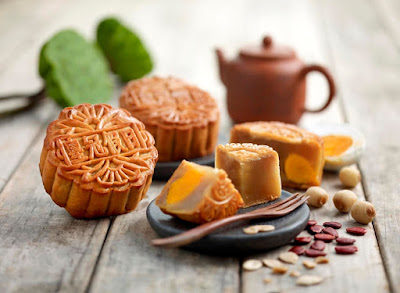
{"x": 279, "y": 131}
{"x": 183, "y": 119}
{"x": 97, "y": 161}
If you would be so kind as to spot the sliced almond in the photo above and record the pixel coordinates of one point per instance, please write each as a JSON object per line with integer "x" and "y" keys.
{"x": 289, "y": 257}
{"x": 309, "y": 280}
{"x": 294, "y": 274}
{"x": 265, "y": 228}
{"x": 252, "y": 264}
{"x": 309, "y": 264}
{"x": 271, "y": 263}
{"x": 267, "y": 280}
{"x": 321, "y": 259}
{"x": 280, "y": 270}
{"x": 251, "y": 230}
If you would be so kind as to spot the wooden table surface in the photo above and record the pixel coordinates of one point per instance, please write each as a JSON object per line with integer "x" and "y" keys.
{"x": 43, "y": 249}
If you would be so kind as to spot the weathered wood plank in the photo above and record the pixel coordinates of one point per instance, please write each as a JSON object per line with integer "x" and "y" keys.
{"x": 43, "y": 249}
{"x": 361, "y": 272}
{"x": 371, "y": 94}
{"x": 130, "y": 264}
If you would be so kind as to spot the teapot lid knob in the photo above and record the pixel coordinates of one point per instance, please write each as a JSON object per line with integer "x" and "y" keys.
{"x": 267, "y": 41}
{"x": 268, "y": 51}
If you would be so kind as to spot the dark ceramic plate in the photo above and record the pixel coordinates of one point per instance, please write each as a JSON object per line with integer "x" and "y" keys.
{"x": 164, "y": 170}
{"x": 231, "y": 240}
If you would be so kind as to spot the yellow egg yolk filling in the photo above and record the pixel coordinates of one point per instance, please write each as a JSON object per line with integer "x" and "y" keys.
{"x": 184, "y": 186}
{"x": 298, "y": 169}
{"x": 335, "y": 145}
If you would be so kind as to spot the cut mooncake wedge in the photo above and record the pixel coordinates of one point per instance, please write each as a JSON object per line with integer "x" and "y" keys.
{"x": 199, "y": 194}
{"x": 253, "y": 169}
{"x": 300, "y": 152}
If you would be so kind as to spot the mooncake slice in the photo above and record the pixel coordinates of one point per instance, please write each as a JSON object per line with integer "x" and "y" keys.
{"x": 253, "y": 169}
{"x": 199, "y": 194}
{"x": 97, "y": 161}
{"x": 183, "y": 119}
{"x": 300, "y": 152}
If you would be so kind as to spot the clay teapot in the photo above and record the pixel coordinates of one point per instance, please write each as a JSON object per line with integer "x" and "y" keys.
{"x": 268, "y": 83}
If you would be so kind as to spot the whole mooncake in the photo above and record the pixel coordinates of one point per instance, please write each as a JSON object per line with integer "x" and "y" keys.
{"x": 199, "y": 194}
{"x": 97, "y": 161}
{"x": 183, "y": 119}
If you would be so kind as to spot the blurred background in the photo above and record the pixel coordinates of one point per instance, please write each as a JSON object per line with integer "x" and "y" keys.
{"x": 180, "y": 35}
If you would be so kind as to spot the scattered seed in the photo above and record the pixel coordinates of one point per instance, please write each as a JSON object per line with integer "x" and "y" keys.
{"x": 271, "y": 263}
{"x": 345, "y": 241}
{"x": 311, "y": 222}
{"x": 309, "y": 264}
{"x": 289, "y": 257}
{"x": 334, "y": 225}
{"x": 331, "y": 231}
{"x": 324, "y": 237}
{"x": 267, "y": 280}
{"x": 318, "y": 245}
{"x": 294, "y": 274}
{"x": 251, "y": 230}
{"x": 280, "y": 270}
{"x": 252, "y": 264}
{"x": 314, "y": 253}
{"x": 299, "y": 250}
{"x": 265, "y": 228}
{"x": 356, "y": 230}
{"x": 315, "y": 229}
{"x": 321, "y": 259}
{"x": 308, "y": 280}
{"x": 302, "y": 240}
{"x": 346, "y": 249}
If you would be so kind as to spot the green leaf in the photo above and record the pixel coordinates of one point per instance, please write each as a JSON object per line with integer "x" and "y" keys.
{"x": 75, "y": 70}
{"x": 124, "y": 50}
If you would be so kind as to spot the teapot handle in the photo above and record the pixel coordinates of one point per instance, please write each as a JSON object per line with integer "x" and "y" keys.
{"x": 332, "y": 88}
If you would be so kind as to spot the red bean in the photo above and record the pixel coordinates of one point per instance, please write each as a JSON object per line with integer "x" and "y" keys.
{"x": 318, "y": 245}
{"x": 324, "y": 237}
{"x": 299, "y": 250}
{"x": 302, "y": 240}
{"x": 346, "y": 249}
{"x": 331, "y": 231}
{"x": 311, "y": 223}
{"x": 356, "y": 230}
{"x": 334, "y": 225}
{"x": 314, "y": 253}
{"x": 345, "y": 241}
{"x": 314, "y": 229}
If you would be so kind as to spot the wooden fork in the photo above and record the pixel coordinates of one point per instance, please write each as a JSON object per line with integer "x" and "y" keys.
{"x": 278, "y": 209}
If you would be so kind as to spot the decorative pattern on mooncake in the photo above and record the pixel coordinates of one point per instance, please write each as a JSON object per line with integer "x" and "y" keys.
{"x": 300, "y": 152}
{"x": 253, "y": 169}
{"x": 97, "y": 161}
{"x": 183, "y": 119}
{"x": 199, "y": 194}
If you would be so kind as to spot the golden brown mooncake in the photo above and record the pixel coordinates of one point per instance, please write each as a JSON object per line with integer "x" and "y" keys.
{"x": 253, "y": 169}
{"x": 183, "y": 119}
{"x": 199, "y": 194}
{"x": 97, "y": 161}
{"x": 300, "y": 152}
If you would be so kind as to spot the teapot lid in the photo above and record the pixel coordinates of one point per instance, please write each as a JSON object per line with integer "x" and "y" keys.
{"x": 268, "y": 50}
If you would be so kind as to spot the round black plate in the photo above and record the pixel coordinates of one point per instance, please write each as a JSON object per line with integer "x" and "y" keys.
{"x": 231, "y": 240}
{"x": 164, "y": 170}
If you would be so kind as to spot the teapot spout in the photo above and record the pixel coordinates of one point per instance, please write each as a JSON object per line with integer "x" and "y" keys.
{"x": 222, "y": 64}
